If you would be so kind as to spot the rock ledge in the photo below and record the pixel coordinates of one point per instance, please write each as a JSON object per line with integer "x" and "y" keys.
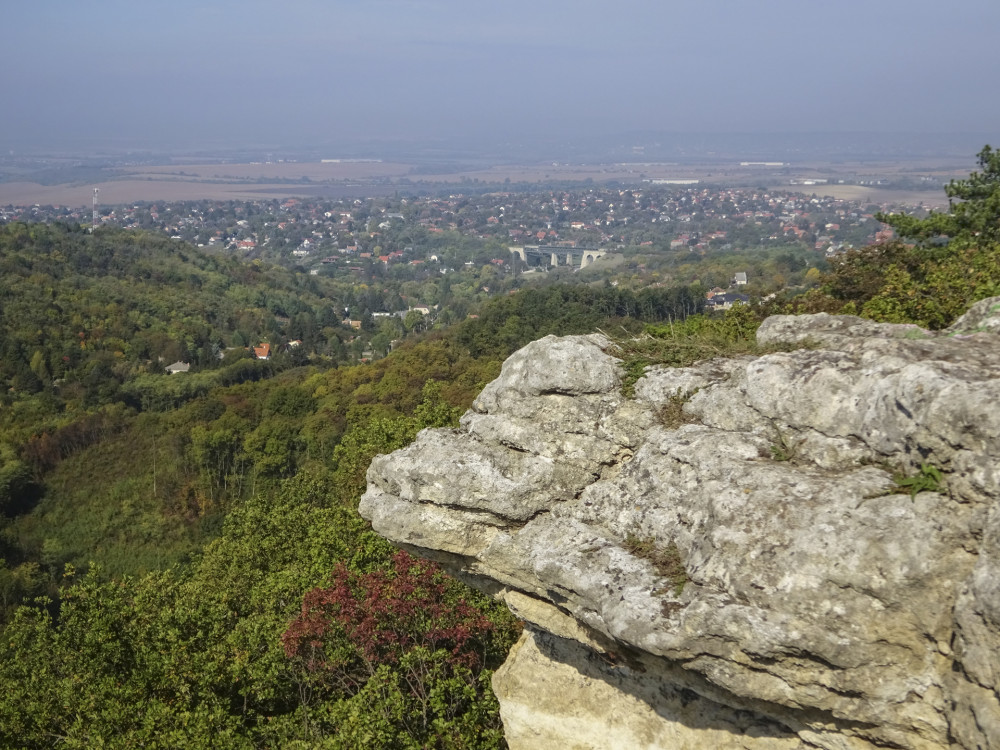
{"x": 824, "y": 605}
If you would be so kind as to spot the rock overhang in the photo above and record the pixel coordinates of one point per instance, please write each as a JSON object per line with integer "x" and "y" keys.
{"x": 818, "y": 594}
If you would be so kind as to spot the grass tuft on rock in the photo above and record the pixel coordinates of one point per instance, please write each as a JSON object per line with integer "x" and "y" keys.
{"x": 666, "y": 560}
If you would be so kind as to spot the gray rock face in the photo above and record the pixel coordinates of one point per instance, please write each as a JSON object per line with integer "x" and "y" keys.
{"x": 821, "y": 604}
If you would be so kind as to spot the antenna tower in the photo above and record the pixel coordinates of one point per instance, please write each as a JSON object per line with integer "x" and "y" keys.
{"x": 93, "y": 221}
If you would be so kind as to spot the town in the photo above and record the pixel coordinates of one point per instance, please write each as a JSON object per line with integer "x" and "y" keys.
{"x": 641, "y": 233}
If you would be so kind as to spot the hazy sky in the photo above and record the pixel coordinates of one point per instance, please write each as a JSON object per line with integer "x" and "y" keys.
{"x": 249, "y": 72}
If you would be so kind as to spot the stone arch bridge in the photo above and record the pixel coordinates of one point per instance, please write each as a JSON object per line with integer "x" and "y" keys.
{"x": 537, "y": 255}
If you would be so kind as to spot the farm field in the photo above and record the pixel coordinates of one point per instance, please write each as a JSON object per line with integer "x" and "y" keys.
{"x": 249, "y": 181}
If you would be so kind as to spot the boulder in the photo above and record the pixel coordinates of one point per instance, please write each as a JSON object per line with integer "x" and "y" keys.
{"x": 800, "y": 549}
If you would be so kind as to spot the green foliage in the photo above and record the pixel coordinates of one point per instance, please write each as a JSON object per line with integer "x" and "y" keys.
{"x": 85, "y": 314}
{"x": 137, "y": 492}
{"x": 634, "y": 367}
{"x": 976, "y": 213}
{"x": 940, "y": 289}
{"x": 928, "y": 479}
{"x": 671, "y": 413}
{"x": 956, "y": 263}
{"x": 21, "y": 583}
{"x": 219, "y": 458}
{"x": 194, "y": 656}
{"x": 452, "y": 710}
{"x": 896, "y": 283}
{"x": 859, "y": 274}
{"x": 365, "y": 440}
{"x": 782, "y": 449}
{"x": 780, "y": 452}
{"x": 156, "y": 392}
{"x": 682, "y": 343}
{"x": 508, "y": 323}
{"x": 17, "y": 486}
{"x": 118, "y": 501}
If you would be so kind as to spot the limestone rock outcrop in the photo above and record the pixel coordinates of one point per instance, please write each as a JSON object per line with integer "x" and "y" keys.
{"x": 832, "y": 512}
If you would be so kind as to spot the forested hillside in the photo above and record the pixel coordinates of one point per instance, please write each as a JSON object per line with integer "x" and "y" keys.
{"x": 87, "y": 323}
{"x": 187, "y": 546}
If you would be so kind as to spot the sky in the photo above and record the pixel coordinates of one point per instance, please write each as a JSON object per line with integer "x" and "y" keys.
{"x": 295, "y": 72}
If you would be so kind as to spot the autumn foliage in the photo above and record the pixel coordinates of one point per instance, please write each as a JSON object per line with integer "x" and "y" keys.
{"x": 362, "y": 621}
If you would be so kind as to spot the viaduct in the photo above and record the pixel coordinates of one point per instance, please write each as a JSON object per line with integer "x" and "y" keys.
{"x": 534, "y": 255}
